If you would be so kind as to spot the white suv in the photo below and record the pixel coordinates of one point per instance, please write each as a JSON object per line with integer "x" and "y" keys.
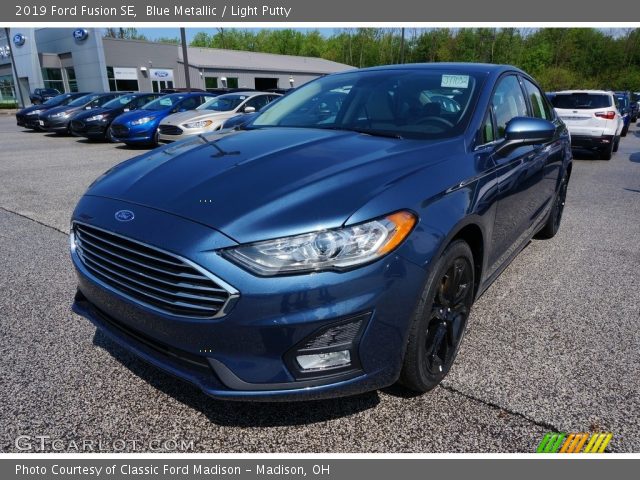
{"x": 592, "y": 118}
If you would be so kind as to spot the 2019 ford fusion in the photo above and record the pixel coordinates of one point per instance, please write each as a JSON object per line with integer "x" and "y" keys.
{"x": 320, "y": 252}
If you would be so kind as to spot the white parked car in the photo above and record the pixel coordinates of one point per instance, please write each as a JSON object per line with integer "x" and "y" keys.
{"x": 592, "y": 118}
{"x": 211, "y": 115}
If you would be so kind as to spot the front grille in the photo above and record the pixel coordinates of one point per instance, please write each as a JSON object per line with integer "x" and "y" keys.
{"x": 170, "y": 130}
{"x": 153, "y": 277}
{"x": 120, "y": 130}
{"x": 77, "y": 125}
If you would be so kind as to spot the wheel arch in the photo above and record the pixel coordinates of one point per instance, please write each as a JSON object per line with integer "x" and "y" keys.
{"x": 472, "y": 235}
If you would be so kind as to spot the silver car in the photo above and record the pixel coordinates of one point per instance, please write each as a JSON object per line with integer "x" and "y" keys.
{"x": 211, "y": 115}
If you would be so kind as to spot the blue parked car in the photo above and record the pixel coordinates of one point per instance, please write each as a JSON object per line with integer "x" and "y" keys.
{"x": 623, "y": 100}
{"x": 140, "y": 127}
{"x": 319, "y": 251}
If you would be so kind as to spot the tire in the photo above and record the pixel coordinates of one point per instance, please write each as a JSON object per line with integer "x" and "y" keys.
{"x": 552, "y": 225}
{"x": 440, "y": 319}
{"x": 108, "y": 136}
{"x": 624, "y": 132}
{"x": 607, "y": 152}
{"x": 616, "y": 144}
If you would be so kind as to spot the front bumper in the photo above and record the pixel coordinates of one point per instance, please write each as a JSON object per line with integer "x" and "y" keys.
{"x": 58, "y": 124}
{"x": 136, "y": 134}
{"x": 95, "y": 129}
{"x": 242, "y": 354}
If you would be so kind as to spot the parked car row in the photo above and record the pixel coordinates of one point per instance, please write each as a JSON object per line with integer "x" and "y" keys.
{"x": 142, "y": 118}
{"x": 596, "y": 119}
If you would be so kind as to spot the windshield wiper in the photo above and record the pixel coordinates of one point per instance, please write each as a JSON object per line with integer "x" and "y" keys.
{"x": 376, "y": 133}
{"x": 364, "y": 131}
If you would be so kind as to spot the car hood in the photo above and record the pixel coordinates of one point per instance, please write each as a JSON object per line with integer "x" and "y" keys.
{"x": 192, "y": 115}
{"x": 259, "y": 184}
{"x": 62, "y": 108}
{"x": 31, "y": 108}
{"x": 136, "y": 114}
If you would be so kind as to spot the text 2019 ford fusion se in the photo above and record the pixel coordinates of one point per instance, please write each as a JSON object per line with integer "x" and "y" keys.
{"x": 334, "y": 245}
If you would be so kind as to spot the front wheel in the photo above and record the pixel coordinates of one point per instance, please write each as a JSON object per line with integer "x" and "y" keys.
{"x": 440, "y": 319}
{"x": 108, "y": 135}
{"x": 555, "y": 216}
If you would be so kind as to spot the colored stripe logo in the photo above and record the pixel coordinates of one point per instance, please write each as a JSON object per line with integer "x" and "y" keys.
{"x": 574, "y": 443}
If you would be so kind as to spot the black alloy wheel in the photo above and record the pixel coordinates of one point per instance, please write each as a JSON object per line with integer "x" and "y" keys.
{"x": 552, "y": 225}
{"x": 440, "y": 320}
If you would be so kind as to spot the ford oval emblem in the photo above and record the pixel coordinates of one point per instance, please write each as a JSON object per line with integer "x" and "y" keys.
{"x": 162, "y": 74}
{"x": 124, "y": 215}
{"x": 19, "y": 39}
{"x": 80, "y": 34}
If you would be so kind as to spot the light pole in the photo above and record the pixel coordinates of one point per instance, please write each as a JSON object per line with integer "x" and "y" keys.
{"x": 185, "y": 58}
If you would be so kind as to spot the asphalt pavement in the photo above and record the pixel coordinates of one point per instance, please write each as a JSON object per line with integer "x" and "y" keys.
{"x": 553, "y": 345}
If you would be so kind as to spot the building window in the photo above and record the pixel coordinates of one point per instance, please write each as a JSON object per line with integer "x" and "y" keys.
{"x": 122, "y": 79}
{"x": 210, "y": 82}
{"x": 71, "y": 79}
{"x": 7, "y": 92}
{"x": 53, "y": 78}
{"x": 232, "y": 82}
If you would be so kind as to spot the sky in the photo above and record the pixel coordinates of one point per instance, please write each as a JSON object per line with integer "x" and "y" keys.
{"x": 154, "y": 33}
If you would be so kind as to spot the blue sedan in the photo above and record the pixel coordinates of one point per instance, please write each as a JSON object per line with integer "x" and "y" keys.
{"x": 335, "y": 244}
{"x": 140, "y": 127}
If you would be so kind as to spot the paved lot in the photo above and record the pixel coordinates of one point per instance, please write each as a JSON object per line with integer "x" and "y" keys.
{"x": 553, "y": 344}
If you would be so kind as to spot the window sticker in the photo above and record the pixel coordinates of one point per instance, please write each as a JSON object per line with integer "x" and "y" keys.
{"x": 455, "y": 81}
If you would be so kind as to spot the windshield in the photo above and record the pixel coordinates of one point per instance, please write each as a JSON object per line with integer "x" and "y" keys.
{"x": 119, "y": 102}
{"x": 78, "y": 102}
{"x": 163, "y": 103}
{"x": 223, "y": 103}
{"x": 57, "y": 100}
{"x": 581, "y": 101}
{"x": 410, "y": 103}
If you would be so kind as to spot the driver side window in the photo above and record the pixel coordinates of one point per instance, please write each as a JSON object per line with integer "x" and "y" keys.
{"x": 508, "y": 102}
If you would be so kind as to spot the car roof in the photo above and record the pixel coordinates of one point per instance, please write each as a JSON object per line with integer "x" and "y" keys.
{"x": 468, "y": 66}
{"x": 598, "y": 92}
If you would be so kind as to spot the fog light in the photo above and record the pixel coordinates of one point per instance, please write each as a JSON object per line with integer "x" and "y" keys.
{"x": 330, "y": 350}
{"x": 320, "y": 361}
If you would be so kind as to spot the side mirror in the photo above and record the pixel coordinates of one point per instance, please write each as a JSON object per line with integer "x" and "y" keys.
{"x": 523, "y": 131}
{"x": 249, "y": 109}
{"x": 87, "y": 107}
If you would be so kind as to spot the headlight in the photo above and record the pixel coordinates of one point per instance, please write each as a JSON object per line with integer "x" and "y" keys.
{"x": 60, "y": 115}
{"x": 140, "y": 121}
{"x": 35, "y": 112}
{"x": 100, "y": 116}
{"x": 335, "y": 249}
{"x": 198, "y": 124}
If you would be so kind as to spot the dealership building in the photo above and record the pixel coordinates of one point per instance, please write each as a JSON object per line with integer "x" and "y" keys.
{"x": 83, "y": 60}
